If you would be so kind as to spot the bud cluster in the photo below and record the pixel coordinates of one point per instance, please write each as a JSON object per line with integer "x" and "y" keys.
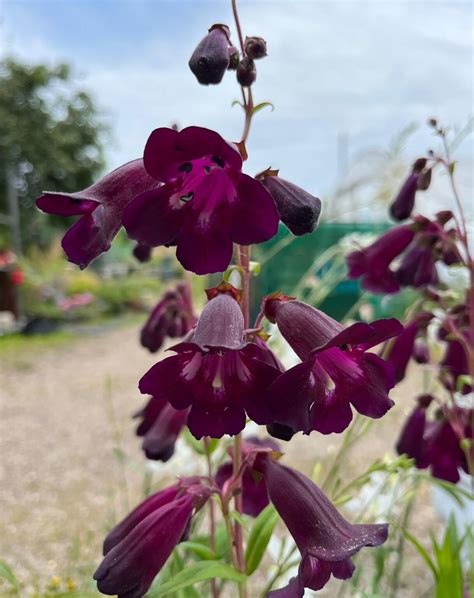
{"x": 215, "y": 54}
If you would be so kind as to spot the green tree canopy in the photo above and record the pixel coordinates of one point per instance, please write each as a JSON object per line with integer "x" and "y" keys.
{"x": 51, "y": 137}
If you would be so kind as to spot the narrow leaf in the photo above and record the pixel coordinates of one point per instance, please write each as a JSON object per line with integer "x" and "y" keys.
{"x": 261, "y": 106}
{"x": 423, "y": 552}
{"x": 194, "y": 574}
{"x": 260, "y": 535}
{"x": 200, "y": 550}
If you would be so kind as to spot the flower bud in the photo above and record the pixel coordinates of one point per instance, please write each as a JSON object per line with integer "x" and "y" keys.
{"x": 210, "y": 59}
{"x": 246, "y": 72}
{"x": 418, "y": 180}
{"x": 255, "y": 47}
{"x": 298, "y": 209}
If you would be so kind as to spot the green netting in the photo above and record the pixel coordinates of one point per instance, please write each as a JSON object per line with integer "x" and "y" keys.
{"x": 284, "y": 269}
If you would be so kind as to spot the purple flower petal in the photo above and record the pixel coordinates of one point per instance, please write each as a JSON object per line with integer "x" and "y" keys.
{"x": 255, "y": 217}
{"x": 160, "y": 440}
{"x": 204, "y": 251}
{"x": 168, "y": 380}
{"x": 331, "y": 412}
{"x": 230, "y": 421}
{"x": 153, "y": 219}
{"x": 139, "y": 513}
{"x": 129, "y": 568}
{"x": 291, "y": 395}
{"x": 166, "y": 150}
{"x": 371, "y": 397}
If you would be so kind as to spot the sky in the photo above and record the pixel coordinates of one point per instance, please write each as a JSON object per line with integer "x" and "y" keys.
{"x": 357, "y": 70}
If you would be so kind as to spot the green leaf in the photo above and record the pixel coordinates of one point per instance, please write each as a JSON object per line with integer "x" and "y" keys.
{"x": 200, "y": 550}
{"x": 261, "y": 106}
{"x": 423, "y": 552}
{"x": 6, "y": 572}
{"x": 260, "y": 535}
{"x": 457, "y": 493}
{"x": 195, "y": 573}
{"x": 237, "y": 103}
{"x": 196, "y": 445}
{"x": 78, "y": 594}
{"x": 239, "y": 518}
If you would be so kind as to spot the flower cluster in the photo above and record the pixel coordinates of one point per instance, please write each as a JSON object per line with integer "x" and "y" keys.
{"x": 138, "y": 547}
{"x": 189, "y": 192}
{"x": 436, "y": 443}
{"x": 417, "y": 246}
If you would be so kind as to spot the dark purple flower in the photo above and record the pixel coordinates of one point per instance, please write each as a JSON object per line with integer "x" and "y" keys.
{"x": 410, "y": 441}
{"x": 219, "y": 374}
{"x": 398, "y": 351}
{"x": 373, "y": 263}
{"x": 140, "y": 545}
{"x": 436, "y": 443}
{"x": 298, "y": 209}
{"x": 417, "y": 268}
{"x": 206, "y": 204}
{"x": 454, "y": 365}
{"x": 142, "y": 252}
{"x": 210, "y": 59}
{"x": 420, "y": 245}
{"x": 101, "y": 207}
{"x": 443, "y": 452}
{"x": 254, "y": 491}
{"x": 336, "y": 371}
{"x": 161, "y": 426}
{"x": 419, "y": 178}
{"x": 324, "y": 538}
{"x": 172, "y": 317}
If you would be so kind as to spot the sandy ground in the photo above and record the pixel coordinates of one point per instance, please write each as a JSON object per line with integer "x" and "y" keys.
{"x": 71, "y": 465}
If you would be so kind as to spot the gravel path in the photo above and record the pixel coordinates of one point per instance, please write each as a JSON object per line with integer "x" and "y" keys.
{"x": 71, "y": 465}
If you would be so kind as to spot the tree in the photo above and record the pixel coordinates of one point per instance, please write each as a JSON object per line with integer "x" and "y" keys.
{"x": 51, "y": 138}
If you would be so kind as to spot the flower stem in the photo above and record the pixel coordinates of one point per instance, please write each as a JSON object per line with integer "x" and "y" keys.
{"x": 237, "y": 24}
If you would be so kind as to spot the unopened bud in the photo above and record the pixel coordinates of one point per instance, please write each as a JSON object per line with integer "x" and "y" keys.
{"x": 298, "y": 209}
{"x": 246, "y": 72}
{"x": 210, "y": 59}
{"x": 255, "y": 47}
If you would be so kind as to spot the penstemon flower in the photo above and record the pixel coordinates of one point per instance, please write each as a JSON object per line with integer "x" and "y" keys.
{"x": 419, "y": 179}
{"x": 139, "y": 546}
{"x": 172, "y": 317}
{"x": 205, "y": 203}
{"x": 101, "y": 208}
{"x": 218, "y": 373}
{"x": 160, "y": 427}
{"x": 336, "y": 370}
{"x": 326, "y": 541}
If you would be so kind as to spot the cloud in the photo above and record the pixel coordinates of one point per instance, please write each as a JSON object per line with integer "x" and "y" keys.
{"x": 365, "y": 69}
